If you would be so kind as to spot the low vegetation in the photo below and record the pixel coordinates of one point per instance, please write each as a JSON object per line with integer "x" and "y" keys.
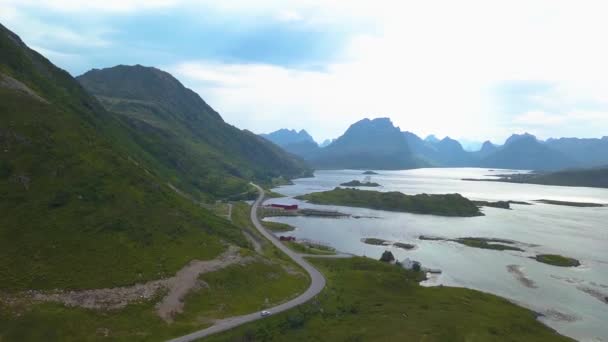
{"x": 557, "y": 260}
{"x": 310, "y": 248}
{"x": 359, "y": 183}
{"x": 443, "y": 205}
{"x": 269, "y": 279}
{"x": 367, "y": 300}
{"x": 232, "y": 291}
{"x": 277, "y": 226}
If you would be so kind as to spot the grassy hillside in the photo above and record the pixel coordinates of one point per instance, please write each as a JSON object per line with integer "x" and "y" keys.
{"x": 79, "y": 210}
{"x": 444, "y": 205}
{"x": 183, "y": 137}
{"x": 231, "y": 291}
{"x": 366, "y": 300}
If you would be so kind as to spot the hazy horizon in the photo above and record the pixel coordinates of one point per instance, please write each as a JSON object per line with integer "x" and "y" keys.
{"x": 470, "y": 70}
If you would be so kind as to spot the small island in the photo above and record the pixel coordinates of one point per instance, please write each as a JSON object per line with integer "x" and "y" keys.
{"x": 370, "y": 173}
{"x": 571, "y": 204}
{"x": 406, "y": 246}
{"x": 375, "y": 241}
{"x": 499, "y": 204}
{"x": 487, "y": 243}
{"x": 359, "y": 183}
{"x": 479, "y": 242}
{"x": 557, "y": 260}
{"x": 442, "y": 205}
{"x": 382, "y": 242}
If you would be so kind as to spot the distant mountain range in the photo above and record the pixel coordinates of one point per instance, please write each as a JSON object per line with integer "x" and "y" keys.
{"x": 379, "y": 146}
{"x": 366, "y": 144}
{"x": 298, "y": 143}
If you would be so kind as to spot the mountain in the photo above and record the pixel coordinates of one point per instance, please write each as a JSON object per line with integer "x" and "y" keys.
{"x": 516, "y": 137}
{"x": 587, "y": 152}
{"x": 525, "y": 152}
{"x": 285, "y": 137}
{"x": 368, "y": 144}
{"x": 470, "y": 145}
{"x": 450, "y": 153}
{"x": 80, "y": 207}
{"x": 297, "y": 143}
{"x": 422, "y": 149}
{"x": 180, "y": 135}
{"x": 431, "y": 139}
{"x": 486, "y": 149}
{"x": 440, "y": 153}
{"x": 326, "y": 142}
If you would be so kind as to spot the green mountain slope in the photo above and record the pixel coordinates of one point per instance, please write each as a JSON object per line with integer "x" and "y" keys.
{"x": 79, "y": 211}
{"x": 183, "y": 137}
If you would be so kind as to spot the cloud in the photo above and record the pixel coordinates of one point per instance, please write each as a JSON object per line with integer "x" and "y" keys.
{"x": 78, "y": 6}
{"x": 471, "y": 68}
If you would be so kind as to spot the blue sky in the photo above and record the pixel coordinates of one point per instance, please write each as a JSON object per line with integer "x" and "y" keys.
{"x": 469, "y": 69}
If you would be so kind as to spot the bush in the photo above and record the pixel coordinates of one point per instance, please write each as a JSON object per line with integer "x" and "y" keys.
{"x": 387, "y": 256}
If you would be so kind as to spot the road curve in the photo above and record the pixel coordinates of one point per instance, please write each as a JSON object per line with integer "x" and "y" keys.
{"x": 316, "y": 285}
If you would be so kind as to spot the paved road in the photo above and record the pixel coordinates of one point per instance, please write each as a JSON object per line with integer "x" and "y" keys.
{"x": 316, "y": 285}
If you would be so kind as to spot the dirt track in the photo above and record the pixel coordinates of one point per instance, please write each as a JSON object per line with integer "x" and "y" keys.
{"x": 177, "y": 287}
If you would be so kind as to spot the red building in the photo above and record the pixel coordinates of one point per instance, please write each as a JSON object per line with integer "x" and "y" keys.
{"x": 287, "y": 238}
{"x": 285, "y": 206}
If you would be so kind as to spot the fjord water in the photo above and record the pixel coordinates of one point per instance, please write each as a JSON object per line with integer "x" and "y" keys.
{"x": 571, "y": 300}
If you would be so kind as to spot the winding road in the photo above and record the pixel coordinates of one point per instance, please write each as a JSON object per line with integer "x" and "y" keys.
{"x": 316, "y": 285}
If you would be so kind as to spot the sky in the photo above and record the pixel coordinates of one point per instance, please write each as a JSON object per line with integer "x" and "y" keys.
{"x": 471, "y": 69}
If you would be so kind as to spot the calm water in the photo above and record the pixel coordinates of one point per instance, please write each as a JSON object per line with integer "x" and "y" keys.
{"x": 571, "y": 298}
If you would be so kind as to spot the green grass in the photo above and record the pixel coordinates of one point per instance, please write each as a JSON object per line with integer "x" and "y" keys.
{"x": 444, "y": 205}
{"x": 232, "y": 291}
{"x": 278, "y": 226}
{"x": 242, "y": 289}
{"x": 557, "y": 260}
{"x": 90, "y": 217}
{"x": 272, "y": 194}
{"x": 309, "y": 249}
{"x": 366, "y": 300}
{"x": 235, "y": 290}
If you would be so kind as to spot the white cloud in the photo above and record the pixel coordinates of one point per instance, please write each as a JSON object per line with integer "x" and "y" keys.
{"x": 429, "y": 65}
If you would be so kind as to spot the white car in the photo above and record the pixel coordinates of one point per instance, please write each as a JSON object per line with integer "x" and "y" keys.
{"x": 265, "y": 313}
